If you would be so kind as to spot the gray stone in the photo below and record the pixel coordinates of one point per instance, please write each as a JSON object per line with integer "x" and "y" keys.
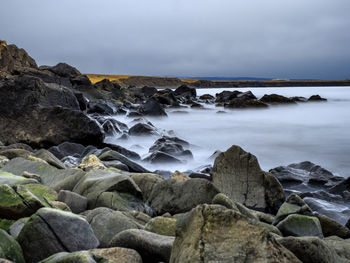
{"x": 152, "y": 247}
{"x": 118, "y": 254}
{"x": 10, "y": 249}
{"x": 146, "y": 182}
{"x": 300, "y": 225}
{"x": 76, "y": 202}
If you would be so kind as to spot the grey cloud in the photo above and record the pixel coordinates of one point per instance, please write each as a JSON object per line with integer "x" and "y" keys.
{"x": 271, "y": 38}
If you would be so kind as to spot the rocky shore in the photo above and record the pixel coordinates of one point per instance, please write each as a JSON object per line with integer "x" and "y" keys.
{"x": 66, "y": 195}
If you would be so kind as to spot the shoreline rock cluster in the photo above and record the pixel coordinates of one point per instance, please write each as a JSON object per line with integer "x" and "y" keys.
{"x": 68, "y": 196}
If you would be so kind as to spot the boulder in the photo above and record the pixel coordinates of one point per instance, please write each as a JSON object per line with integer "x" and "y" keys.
{"x": 10, "y": 249}
{"x": 17, "y": 226}
{"x": 104, "y": 107}
{"x": 67, "y": 149}
{"x": 242, "y": 104}
{"x": 162, "y": 226}
{"x": 118, "y": 254}
{"x": 50, "y": 231}
{"x": 316, "y": 98}
{"x": 14, "y": 153}
{"x": 142, "y": 129}
{"x": 76, "y": 202}
{"x": 49, "y": 158}
{"x": 151, "y": 247}
{"x": 310, "y": 249}
{"x": 333, "y": 228}
{"x": 341, "y": 246}
{"x": 152, "y": 108}
{"x": 91, "y": 162}
{"x": 159, "y": 157}
{"x": 76, "y": 257}
{"x": 11, "y": 179}
{"x": 185, "y": 91}
{"x": 237, "y": 174}
{"x": 213, "y": 233}
{"x": 146, "y": 182}
{"x": 276, "y": 99}
{"x": 177, "y": 197}
{"x": 106, "y": 223}
{"x": 300, "y": 225}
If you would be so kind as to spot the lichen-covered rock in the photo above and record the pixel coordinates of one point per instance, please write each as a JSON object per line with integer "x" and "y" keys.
{"x": 178, "y": 197}
{"x": 146, "y": 182}
{"x": 332, "y": 228}
{"x": 11, "y": 179}
{"x": 11, "y": 250}
{"x": 118, "y": 254}
{"x": 152, "y": 247}
{"x": 76, "y": 257}
{"x": 107, "y": 223}
{"x": 92, "y": 162}
{"x": 50, "y": 231}
{"x": 213, "y": 233}
{"x": 162, "y": 226}
{"x": 311, "y": 249}
{"x": 300, "y": 225}
{"x": 237, "y": 174}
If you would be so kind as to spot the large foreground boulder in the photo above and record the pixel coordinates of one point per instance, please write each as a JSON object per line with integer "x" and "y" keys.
{"x": 177, "y": 197}
{"x": 237, "y": 174}
{"x": 9, "y": 248}
{"x": 213, "y": 233}
{"x": 50, "y": 231}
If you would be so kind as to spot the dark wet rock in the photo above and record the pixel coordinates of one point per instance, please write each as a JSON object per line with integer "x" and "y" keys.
{"x": 51, "y": 231}
{"x": 316, "y": 98}
{"x": 200, "y": 175}
{"x": 177, "y": 197}
{"x": 323, "y": 195}
{"x": 185, "y": 91}
{"x": 110, "y": 155}
{"x": 14, "y": 59}
{"x": 22, "y": 146}
{"x": 207, "y": 97}
{"x": 240, "y": 104}
{"x": 104, "y": 107}
{"x": 106, "y": 223}
{"x": 172, "y": 146}
{"x": 133, "y": 114}
{"x": 81, "y": 100}
{"x": 146, "y": 182}
{"x": 112, "y": 88}
{"x": 276, "y": 99}
{"x": 141, "y": 129}
{"x": 14, "y": 153}
{"x": 67, "y": 149}
{"x": 127, "y": 153}
{"x": 64, "y": 70}
{"x": 310, "y": 249}
{"x": 298, "y": 99}
{"x": 226, "y": 96}
{"x": 152, "y": 247}
{"x": 333, "y": 228}
{"x": 116, "y": 164}
{"x": 237, "y": 174}
{"x": 166, "y": 97}
{"x": 148, "y": 91}
{"x": 76, "y": 202}
{"x": 213, "y": 233}
{"x": 159, "y": 157}
{"x": 9, "y": 248}
{"x": 341, "y": 187}
{"x": 152, "y": 108}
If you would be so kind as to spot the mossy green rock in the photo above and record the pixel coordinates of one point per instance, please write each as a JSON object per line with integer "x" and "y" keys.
{"x": 5, "y": 224}
{"x": 17, "y": 226}
{"x": 11, "y": 250}
{"x": 162, "y": 226}
{"x": 300, "y": 225}
{"x": 17, "y": 202}
{"x": 43, "y": 192}
{"x": 75, "y": 257}
{"x": 11, "y": 179}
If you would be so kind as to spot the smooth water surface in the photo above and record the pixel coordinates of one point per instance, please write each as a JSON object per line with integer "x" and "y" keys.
{"x": 280, "y": 135}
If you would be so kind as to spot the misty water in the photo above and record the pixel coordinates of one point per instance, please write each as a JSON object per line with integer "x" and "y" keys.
{"x": 279, "y": 135}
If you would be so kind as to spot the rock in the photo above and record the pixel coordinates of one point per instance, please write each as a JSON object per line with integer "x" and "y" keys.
{"x": 14, "y": 59}
{"x": 61, "y": 125}
{"x": 172, "y": 146}
{"x": 178, "y": 176}
{"x": 146, "y": 182}
{"x": 237, "y": 174}
{"x": 11, "y": 179}
{"x": 118, "y": 255}
{"x": 316, "y": 98}
{"x": 293, "y": 205}
{"x": 17, "y": 226}
{"x": 333, "y": 228}
{"x": 148, "y": 91}
{"x": 213, "y": 233}
{"x": 17, "y": 202}
{"x": 110, "y": 155}
{"x": 300, "y": 225}
{"x": 141, "y": 129}
{"x": 152, "y": 108}
{"x": 104, "y": 107}
{"x": 162, "y": 226}
{"x": 167, "y": 97}
{"x": 161, "y": 157}
{"x": 49, "y": 158}
{"x": 276, "y": 99}
{"x": 75, "y": 257}
{"x": 76, "y": 202}
{"x": 10, "y": 249}
{"x": 310, "y": 249}
{"x": 151, "y": 247}
{"x": 127, "y": 153}
{"x": 51, "y": 231}
{"x": 67, "y": 149}
{"x": 178, "y": 197}
{"x": 92, "y": 162}
{"x": 240, "y": 104}
{"x": 106, "y": 223}
{"x": 341, "y": 246}
{"x": 14, "y": 153}
{"x": 64, "y": 70}
{"x": 207, "y": 97}
{"x": 185, "y": 91}
{"x": 44, "y": 193}
{"x": 5, "y": 224}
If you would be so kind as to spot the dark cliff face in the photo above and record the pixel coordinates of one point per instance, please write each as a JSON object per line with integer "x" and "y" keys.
{"x": 14, "y": 59}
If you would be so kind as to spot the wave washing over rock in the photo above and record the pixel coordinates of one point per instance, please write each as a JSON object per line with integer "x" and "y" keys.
{"x": 72, "y": 190}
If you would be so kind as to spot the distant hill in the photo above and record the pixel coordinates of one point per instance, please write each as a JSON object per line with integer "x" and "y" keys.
{"x": 228, "y": 78}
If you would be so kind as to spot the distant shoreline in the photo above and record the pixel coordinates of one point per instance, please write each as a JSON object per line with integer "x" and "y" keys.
{"x": 128, "y": 80}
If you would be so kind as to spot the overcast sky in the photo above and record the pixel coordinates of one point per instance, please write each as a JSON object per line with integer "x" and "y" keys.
{"x": 257, "y": 38}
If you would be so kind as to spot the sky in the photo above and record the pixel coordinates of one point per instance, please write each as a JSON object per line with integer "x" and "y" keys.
{"x": 296, "y": 39}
